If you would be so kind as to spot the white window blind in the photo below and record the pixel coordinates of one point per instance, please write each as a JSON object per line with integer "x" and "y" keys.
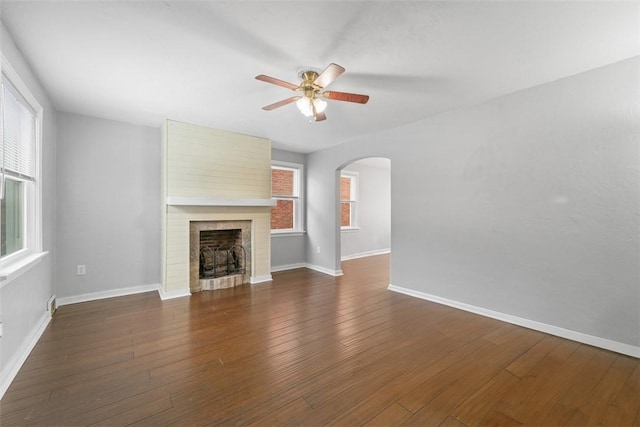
{"x": 19, "y": 136}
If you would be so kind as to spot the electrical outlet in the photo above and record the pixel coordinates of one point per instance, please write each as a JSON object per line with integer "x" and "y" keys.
{"x": 318, "y": 249}
{"x": 81, "y": 270}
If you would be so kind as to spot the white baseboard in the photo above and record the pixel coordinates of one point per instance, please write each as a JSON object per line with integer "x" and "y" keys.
{"x": 328, "y": 271}
{"x": 324, "y": 270}
{"x": 260, "y": 279}
{"x": 618, "y": 347}
{"x": 11, "y": 369}
{"x": 107, "y": 294}
{"x": 164, "y": 295}
{"x": 288, "y": 267}
{"x": 366, "y": 254}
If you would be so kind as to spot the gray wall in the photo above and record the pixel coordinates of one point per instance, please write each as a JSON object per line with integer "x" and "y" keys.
{"x": 373, "y": 209}
{"x": 108, "y": 205}
{"x": 109, "y": 173}
{"x": 23, "y": 301}
{"x": 527, "y": 205}
{"x": 288, "y": 250}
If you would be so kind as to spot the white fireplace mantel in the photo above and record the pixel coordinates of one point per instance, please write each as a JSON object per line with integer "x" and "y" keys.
{"x": 207, "y": 201}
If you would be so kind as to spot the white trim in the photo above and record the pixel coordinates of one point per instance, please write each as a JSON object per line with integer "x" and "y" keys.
{"x": 208, "y": 201}
{"x": 260, "y": 279}
{"x": 324, "y": 270}
{"x": 618, "y": 347}
{"x": 366, "y": 254}
{"x": 20, "y": 86}
{"x": 349, "y": 229}
{"x": 287, "y": 233}
{"x": 164, "y": 295}
{"x": 17, "y": 268}
{"x": 93, "y": 296}
{"x": 33, "y": 196}
{"x": 11, "y": 369}
{"x": 290, "y": 165}
{"x": 288, "y": 267}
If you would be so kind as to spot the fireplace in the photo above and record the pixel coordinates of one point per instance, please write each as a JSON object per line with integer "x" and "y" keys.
{"x": 220, "y": 254}
{"x": 213, "y": 180}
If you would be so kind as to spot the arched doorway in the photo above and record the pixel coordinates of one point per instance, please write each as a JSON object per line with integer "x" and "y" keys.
{"x": 364, "y": 208}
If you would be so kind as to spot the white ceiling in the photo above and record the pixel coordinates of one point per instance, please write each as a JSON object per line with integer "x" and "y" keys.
{"x": 144, "y": 61}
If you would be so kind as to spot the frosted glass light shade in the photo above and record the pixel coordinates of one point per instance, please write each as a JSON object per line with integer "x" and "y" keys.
{"x": 304, "y": 105}
{"x": 320, "y": 104}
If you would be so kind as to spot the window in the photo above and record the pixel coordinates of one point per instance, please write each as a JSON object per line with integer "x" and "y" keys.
{"x": 12, "y": 212}
{"x": 348, "y": 199}
{"x": 286, "y": 188}
{"x": 20, "y": 219}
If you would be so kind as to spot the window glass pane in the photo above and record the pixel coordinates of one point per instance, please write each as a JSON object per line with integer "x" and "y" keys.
{"x": 345, "y": 214}
{"x": 282, "y": 215}
{"x": 282, "y": 182}
{"x": 345, "y": 188}
{"x": 12, "y": 217}
{"x": 286, "y": 189}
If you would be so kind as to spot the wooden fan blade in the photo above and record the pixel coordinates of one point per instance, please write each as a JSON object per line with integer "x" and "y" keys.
{"x": 277, "y": 82}
{"x": 317, "y": 116}
{"x": 329, "y": 74}
{"x": 281, "y": 103}
{"x": 345, "y": 96}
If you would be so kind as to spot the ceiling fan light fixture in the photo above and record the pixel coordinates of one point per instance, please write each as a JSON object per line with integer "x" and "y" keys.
{"x": 311, "y": 94}
{"x": 304, "y": 105}
{"x": 320, "y": 104}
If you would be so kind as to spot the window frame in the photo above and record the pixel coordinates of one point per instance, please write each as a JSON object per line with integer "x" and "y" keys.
{"x": 16, "y": 263}
{"x": 353, "y": 201}
{"x": 297, "y": 198}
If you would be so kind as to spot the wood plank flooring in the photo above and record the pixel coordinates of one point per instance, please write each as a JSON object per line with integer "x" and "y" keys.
{"x": 310, "y": 349}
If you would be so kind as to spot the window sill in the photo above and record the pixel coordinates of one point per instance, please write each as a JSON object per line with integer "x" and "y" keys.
{"x": 19, "y": 267}
{"x": 349, "y": 229}
{"x": 287, "y": 233}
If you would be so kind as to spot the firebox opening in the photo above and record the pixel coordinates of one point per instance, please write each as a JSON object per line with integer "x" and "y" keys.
{"x": 221, "y": 253}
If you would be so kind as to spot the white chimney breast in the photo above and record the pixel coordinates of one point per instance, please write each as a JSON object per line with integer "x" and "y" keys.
{"x": 212, "y": 175}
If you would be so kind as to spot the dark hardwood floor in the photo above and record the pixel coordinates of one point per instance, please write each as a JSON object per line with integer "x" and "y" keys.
{"x": 310, "y": 349}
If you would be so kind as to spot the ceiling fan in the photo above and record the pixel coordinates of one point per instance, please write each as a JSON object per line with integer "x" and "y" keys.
{"x": 312, "y": 102}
